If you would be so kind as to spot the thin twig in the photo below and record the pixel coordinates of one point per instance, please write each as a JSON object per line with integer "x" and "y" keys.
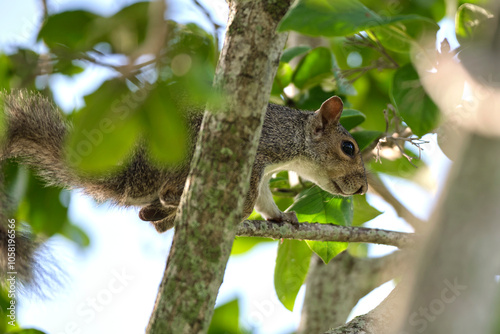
{"x": 384, "y": 62}
{"x": 415, "y": 141}
{"x": 45, "y": 10}
{"x": 126, "y": 70}
{"x": 402, "y": 134}
{"x": 383, "y": 51}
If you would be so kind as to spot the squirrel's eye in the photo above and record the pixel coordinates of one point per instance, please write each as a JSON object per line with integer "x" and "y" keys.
{"x": 348, "y": 148}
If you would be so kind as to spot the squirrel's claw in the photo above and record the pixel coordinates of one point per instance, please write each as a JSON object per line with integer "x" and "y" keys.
{"x": 288, "y": 217}
{"x": 165, "y": 224}
{"x": 161, "y": 217}
{"x": 153, "y": 213}
{"x": 291, "y": 217}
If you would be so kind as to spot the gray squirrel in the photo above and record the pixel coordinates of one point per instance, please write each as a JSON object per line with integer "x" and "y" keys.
{"x": 313, "y": 144}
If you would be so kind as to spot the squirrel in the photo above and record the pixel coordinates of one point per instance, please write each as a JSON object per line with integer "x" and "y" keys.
{"x": 313, "y": 144}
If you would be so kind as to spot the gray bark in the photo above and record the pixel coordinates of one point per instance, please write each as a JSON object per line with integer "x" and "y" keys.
{"x": 384, "y": 319}
{"x": 333, "y": 289}
{"x": 324, "y": 232}
{"x": 211, "y": 205}
{"x": 455, "y": 290}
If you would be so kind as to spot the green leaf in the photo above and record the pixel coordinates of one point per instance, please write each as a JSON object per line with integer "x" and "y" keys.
{"x": 434, "y": 9}
{"x": 292, "y": 264}
{"x": 71, "y": 29}
{"x": 334, "y": 18}
{"x": 313, "y": 68}
{"x": 319, "y": 206}
{"x": 125, "y": 30}
{"x": 226, "y": 319}
{"x": 281, "y": 180}
{"x": 3, "y": 121}
{"x": 242, "y": 245}
{"x": 358, "y": 249}
{"x": 17, "y": 178}
{"x": 28, "y": 331}
{"x": 372, "y": 98}
{"x": 365, "y": 137}
{"x": 282, "y": 79}
{"x": 363, "y": 211}
{"x": 400, "y": 37}
{"x": 105, "y": 129}
{"x": 351, "y": 118}
{"x": 471, "y": 21}
{"x": 412, "y": 102}
{"x": 81, "y": 30}
{"x": 312, "y": 98}
{"x": 24, "y": 64}
{"x": 293, "y": 52}
{"x": 327, "y": 250}
{"x": 6, "y": 72}
{"x": 164, "y": 126}
{"x": 41, "y": 207}
{"x": 190, "y": 40}
{"x": 67, "y": 67}
{"x": 4, "y": 304}
{"x": 75, "y": 234}
{"x": 342, "y": 85}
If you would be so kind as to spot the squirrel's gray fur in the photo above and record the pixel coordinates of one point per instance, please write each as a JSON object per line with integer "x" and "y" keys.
{"x": 309, "y": 143}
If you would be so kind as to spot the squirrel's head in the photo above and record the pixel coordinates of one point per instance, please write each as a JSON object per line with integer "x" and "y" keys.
{"x": 337, "y": 165}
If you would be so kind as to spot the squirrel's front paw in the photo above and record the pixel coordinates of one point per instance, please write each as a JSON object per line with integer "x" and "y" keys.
{"x": 289, "y": 217}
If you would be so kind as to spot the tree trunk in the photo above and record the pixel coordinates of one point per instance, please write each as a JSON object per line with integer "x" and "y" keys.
{"x": 212, "y": 206}
{"x": 455, "y": 290}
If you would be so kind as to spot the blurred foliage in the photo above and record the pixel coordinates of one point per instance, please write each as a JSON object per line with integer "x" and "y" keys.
{"x": 338, "y": 18}
{"x": 471, "y": 22}
{"x": 135, "y": 103}
{"x": 476, "y": 28}
{"x": 364, "y": 59}
{"x": 226, "y": 319}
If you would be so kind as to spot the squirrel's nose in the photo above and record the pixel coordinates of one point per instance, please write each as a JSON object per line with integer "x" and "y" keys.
{"x": 361, "y": 190}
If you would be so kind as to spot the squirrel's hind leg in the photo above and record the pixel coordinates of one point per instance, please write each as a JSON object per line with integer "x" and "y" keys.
{"x": 161, "y": 217}
{"x": 166, "y": 223}
{"x": 161, "y": 213}
{"x": 153, "y": 212}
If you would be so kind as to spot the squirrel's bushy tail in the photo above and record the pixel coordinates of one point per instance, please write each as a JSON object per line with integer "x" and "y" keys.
{"x": 17, "y": 250}
{"x": 35, "y": 132}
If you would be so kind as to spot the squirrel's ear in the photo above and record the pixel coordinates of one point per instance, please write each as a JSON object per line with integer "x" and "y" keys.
{"x": 331, "y": 110}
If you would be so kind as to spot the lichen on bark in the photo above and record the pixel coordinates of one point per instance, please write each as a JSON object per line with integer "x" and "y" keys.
{"x": 224, "y": 155}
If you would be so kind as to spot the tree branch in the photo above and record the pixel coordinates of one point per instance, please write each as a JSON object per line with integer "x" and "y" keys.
{"x": 323, "y": 232}
{"x": 345, "y": 278}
